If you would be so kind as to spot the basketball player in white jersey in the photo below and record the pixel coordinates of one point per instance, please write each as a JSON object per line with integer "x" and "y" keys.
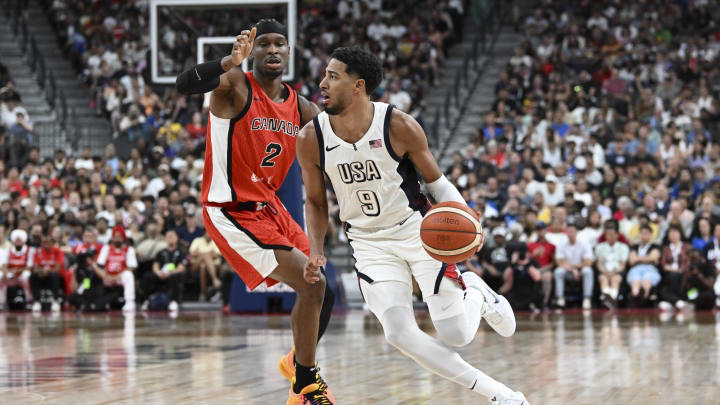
{"x": 369, "y": 151}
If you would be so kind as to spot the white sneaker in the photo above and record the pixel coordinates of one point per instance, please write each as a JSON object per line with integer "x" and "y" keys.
{"x": 717, "y": 302}
{"x": 129, "y": 307}
{"x": 517, "y": 398}
{"x": 496, "y": 310}
{"x": 37, "y": 306}
{"x": 665, "y": 306}
{"x": 680, "y": 305}
{"x": 173, "y": 307}
{"x": 587, "y": 304}
{"x": 144, "y": 306}
{"x": 55, "y": 306}
{"x": 560, "y": 302}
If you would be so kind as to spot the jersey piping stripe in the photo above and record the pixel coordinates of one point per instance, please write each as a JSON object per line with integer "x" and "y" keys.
{"x": 439, "y": 278}
{"x": 363, "y": 276}
{"x": 231, "y": 130}
{"x": 321, "y": 142}
{"x": 297, "y": 97}
{"x": 386, "y": 133}
{"x": 251, "y": 236}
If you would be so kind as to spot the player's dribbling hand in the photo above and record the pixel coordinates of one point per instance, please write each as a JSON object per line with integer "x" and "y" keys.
{"x": 243, "y": 46}
{"x": 311, "y": 273}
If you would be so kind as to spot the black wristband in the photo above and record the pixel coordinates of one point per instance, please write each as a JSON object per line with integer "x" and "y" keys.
{"x": 209, "y": 70}
{"x": 200, "y": 78}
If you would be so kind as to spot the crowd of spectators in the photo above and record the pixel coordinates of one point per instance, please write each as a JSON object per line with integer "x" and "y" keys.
{"x": 596, "y": 173}
{"x": 125, "y": 227}
{"x": 99, "y": 232}
{"x": 599, "y": 162}
{"x": 108, "y": 44}
{"x": 16, "y": 129}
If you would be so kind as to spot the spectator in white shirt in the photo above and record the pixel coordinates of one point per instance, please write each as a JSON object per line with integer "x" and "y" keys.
{"x": 598, "y": 20}
{"x": 553, "y": 192}
{"x": 612, "y": 257}
{"x": 644, "y": 273}
{"x": 592, "y": 230}
{"x": 574, "y": 260}
{"x": 399, "y": 97}
{"x": 377, "y": 29}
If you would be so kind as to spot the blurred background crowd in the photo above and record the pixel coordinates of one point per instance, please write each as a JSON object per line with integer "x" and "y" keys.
{"x": 596, "y": 171}
{"x": 599, "y": 162}
{"x": 143, "y": 191}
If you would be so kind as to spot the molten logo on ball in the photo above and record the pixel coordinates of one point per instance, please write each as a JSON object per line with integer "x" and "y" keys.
{"x": 436, "y": 219}
{"x": 451, "y": 232}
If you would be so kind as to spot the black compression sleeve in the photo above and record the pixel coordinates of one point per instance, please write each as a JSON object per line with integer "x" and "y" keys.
{"x": 200, "y": 78}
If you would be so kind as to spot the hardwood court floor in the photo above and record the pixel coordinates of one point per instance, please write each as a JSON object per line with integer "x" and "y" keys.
{"x": 207, "y": 358}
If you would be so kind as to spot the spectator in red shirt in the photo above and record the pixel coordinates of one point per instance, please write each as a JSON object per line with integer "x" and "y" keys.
{"x": 16, "y": 265}
{"x": 196, "y": 129}
{"x": 47, "y": 262}
{"x": 544, "y": 253}
{"x": 117, "y": 262}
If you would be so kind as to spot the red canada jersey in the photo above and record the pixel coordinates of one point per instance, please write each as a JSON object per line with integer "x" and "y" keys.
{"x": 48, "y": 258}
{"x": 19, "y": 259}
{"x": 248, "y": 157}
{"x": 116, "y": 260}
{"x": 84, "y": 247}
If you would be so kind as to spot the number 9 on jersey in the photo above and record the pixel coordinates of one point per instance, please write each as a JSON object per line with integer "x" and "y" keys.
{"x": 369, "y": 202}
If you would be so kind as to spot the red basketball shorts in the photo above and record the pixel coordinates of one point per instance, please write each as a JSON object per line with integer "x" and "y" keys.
{"x": 248, "y": 239}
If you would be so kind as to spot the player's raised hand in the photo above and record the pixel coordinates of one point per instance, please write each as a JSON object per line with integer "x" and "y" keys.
{"x": 243, "y": 46}
{"x": 311, "y": 273}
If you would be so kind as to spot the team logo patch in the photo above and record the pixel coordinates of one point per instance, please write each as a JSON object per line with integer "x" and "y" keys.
{"x": 376, "y": 143}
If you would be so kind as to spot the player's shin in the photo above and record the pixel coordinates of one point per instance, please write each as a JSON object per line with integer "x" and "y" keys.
{"x": 326, "y": 310}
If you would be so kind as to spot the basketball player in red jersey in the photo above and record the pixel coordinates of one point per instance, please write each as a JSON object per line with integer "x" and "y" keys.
{"x": 250, "y": 145}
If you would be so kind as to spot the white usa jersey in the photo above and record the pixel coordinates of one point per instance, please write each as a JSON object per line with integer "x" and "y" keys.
{"x": 374, "y": 186}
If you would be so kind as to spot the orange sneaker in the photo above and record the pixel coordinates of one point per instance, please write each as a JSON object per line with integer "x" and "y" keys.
{"x": 286, "y": 365}
{"x": 310, "y": 395}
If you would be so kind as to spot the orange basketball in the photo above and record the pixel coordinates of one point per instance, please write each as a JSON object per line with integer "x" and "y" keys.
{"x": 451, "y": 232}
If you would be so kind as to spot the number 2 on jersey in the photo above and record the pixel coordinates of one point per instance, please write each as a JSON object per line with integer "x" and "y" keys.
{"x": 273, "y": 149}
{"x": 369, "y": 203}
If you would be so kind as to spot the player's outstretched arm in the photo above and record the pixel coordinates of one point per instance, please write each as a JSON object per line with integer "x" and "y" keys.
{"x": 210, "y": 76}
{"x": 316, "y": 206}
{"x": 408, "y": 138}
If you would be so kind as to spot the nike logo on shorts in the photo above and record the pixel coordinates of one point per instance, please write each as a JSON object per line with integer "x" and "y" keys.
{"x": 446, "y": 307}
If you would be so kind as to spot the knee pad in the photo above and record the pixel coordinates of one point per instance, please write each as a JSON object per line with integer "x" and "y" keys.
{"x": 400, "y": 328}
{"x": 454, "y": 331}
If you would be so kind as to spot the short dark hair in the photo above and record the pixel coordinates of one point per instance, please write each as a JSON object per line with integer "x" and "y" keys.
{"x": 675, "y": 228}
{"x": 611, "y": 224}
{"x": 646, "y": 226}
{"x": 361, "y": 63}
